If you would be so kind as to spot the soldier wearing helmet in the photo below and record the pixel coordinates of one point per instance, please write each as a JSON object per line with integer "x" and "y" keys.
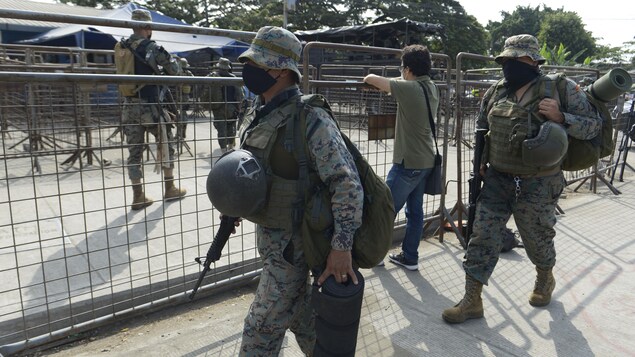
{"x": 143, "y": 112}
{"x": 224, "y": 101}
{"x": 527, "y": 127}
{"x": 283, "y": 298}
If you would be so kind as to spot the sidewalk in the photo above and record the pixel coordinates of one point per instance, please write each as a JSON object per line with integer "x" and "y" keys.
{"x": 592, "y": 312}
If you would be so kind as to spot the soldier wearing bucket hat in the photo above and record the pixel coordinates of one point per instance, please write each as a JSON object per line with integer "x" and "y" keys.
{"x": 224, "y": 102}
{"x": 143, "y": 111}
{"x": 283, "y": 298}
{"x": 527, "y": 127}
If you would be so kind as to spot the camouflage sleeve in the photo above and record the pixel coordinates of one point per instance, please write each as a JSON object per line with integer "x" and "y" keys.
{"x": 336, "y": 168}
{"x": 580, "y": 117}
{"x": 157, "y": 56}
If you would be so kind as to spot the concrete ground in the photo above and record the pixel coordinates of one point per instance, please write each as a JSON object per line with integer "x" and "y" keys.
{"x": 592, "y": 312}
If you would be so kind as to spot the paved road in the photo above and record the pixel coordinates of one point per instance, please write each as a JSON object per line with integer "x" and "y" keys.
{"x": 592, "y": 312}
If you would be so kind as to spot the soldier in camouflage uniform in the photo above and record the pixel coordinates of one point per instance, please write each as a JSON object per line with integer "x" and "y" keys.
{"x": 143, "y": 113}
{"x": 511, "y": 187}
{"x": 225, "y": 104}
{"x": 282, "y": 300}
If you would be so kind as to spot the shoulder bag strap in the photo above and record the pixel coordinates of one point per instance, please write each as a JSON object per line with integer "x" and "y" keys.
{"x": 432, "y": 126}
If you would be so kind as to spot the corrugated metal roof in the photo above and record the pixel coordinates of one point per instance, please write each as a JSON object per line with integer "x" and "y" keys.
{"x": 45, "y": 7}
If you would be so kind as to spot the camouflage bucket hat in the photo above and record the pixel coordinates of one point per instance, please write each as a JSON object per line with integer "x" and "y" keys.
{"x": 184, "y": 63}
{"x": 520, "y": 46}
{"x": 141, "y": 15}
{"x": 224, "y": 63}
{"x": 274, "y": 48}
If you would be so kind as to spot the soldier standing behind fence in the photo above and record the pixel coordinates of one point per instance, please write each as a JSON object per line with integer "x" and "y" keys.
{"x": 143, "y": 111}
{"x": 225, "y": 104}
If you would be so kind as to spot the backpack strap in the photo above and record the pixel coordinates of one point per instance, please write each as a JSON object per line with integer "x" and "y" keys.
{"x": 296, "y": 141}
{"x": 500, "y": 94}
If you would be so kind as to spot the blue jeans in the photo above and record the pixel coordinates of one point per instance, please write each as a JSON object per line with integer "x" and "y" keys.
{"x": 406, "y": 186}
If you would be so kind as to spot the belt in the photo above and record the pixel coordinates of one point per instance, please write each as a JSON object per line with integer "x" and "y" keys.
{"x": 550, "y": 172}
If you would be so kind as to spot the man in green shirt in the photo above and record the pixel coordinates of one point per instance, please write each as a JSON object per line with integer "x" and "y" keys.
{"x": 413, "y": 157}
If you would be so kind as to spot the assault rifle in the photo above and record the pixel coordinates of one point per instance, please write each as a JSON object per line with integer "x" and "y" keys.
{"x": 475, "y": 182}
{"x": 214, "y": 252}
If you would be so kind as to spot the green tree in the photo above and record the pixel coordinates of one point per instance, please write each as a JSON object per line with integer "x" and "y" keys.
{"x": 565, "y": 27}
{"x": 462, "y": 32}
{"x": 524, "y": 19}
{"x": 184, "y": 10}
{"x": 559, "y": 56}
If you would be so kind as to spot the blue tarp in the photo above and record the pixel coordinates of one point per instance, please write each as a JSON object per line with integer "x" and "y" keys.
{"x": 104, "y": 37}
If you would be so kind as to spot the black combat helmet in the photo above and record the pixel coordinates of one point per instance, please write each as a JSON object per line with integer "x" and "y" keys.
{"x": 237, "y": 184}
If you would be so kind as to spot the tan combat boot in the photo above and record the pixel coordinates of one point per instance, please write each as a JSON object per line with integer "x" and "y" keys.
{"x": 470, "y": 307}
{"x": 545, "y": 283}
{"x": 139, "y": 200}
{"x": 171, "y": 192}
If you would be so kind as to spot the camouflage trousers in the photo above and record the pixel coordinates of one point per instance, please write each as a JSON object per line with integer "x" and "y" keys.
{"x": 226, "y": 129}
{"x": 532, "y": 202}
{"x": 283, "y": 297}
{"x": 137, "y": 121}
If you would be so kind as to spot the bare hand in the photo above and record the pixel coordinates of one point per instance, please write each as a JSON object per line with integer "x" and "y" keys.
{"x": 236, "y": 223}
{"x": 482, "y": 169}
{"x": 339, "y": 264}
{"x": 550, "y": 109}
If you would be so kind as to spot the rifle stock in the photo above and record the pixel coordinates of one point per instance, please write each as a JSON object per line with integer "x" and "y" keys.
{"x": 475, "y": 182}
{"x": 215, "y": 249}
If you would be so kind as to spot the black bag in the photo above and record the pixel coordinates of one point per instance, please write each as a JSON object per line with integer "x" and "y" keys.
{"x": 434, "y": 183}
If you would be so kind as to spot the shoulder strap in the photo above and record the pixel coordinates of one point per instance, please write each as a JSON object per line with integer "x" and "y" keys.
{"x": 500, "y": 93}
{"x": 432, "y": 126}
{"x": 140, "y": 44}
{"x": 295, "y": 141}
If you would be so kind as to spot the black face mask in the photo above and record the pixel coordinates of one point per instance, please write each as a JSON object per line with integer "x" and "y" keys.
{"x": 518, "y": 74}
{"x": 257, "y": 79}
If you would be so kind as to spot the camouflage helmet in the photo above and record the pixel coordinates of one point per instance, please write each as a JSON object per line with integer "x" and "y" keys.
{"x": 141, "y": 15}
{"x": 521, "y": 46}
{"x": 224, "y": 64}
{"x": 237, "y": 184}
{"x": 274, "y": 48}
{"x": 184, "y": 63}
{"x": 548, "y": 148}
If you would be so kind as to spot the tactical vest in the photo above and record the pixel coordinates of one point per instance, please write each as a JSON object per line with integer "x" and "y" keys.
{"x": 266, "y": 142}
{"x": 510, "y": 124}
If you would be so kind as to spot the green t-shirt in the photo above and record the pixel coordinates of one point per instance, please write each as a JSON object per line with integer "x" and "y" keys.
{"x": 414, "y": 145}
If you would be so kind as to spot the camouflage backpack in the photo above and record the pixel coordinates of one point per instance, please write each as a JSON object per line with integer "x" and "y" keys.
{"x": 124, "y": 63}
{"x": 373, "y": 239}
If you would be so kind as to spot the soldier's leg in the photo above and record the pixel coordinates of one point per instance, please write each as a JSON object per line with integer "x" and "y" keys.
{"x": 221, "y": 130}
{"x": 493, "y": 210}
{"x": 535, "y": 216}
{"x": 281, "y": 300}
{"x": 231, "y": 133}
{"x": 171, "y": 191}
{"x": 135, "y": 138}
{"x": 492, "y": 213}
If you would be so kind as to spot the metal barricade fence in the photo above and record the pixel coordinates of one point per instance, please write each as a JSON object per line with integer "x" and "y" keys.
{"x": 74, "y": 255}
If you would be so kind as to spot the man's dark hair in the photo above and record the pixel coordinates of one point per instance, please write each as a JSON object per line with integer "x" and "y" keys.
{"x": 417, "y": 58}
